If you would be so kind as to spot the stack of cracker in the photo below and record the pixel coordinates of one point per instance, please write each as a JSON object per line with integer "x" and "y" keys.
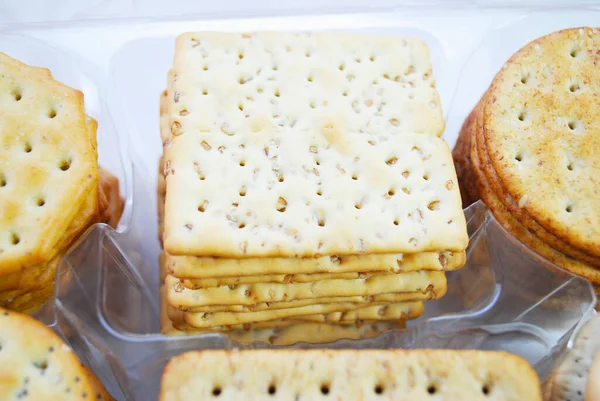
{"x": 51, "y": 188}
{"x": 531, "y": 149}
{"x": 305, "y": 181}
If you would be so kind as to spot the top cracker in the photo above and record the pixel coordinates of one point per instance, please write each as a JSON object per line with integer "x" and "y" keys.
{"x": 259, "y": 81}
{"x": 299, "y": 145}
{"x": 542, "y": 131}
{"x": 48, "y": 163}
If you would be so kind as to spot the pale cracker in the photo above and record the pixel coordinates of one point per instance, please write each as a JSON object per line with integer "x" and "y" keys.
{"x": 284, "y": 323}
{"x": 249, "y": 294}
{"x": 542, "y": 133}
{"x": 35, "y": 364}
{"x": 399, "y": 311}
{"x": 316, "y": 333}
{"x": 431, "y": 292}
{"x": 361, "y": 315}
{"x": 592, "y": 390}
{"x": 183, "y": 73}
{"x": 38, "y": 276}
{"x": 48, "y": 163}
{"x": 216, "y": 319}
{"x": 416, "y": 375}
{"x": 209, "y": 268}
{"x": 453, "y": 262}
{"x": 568, "y": 381}
{"x": 278, "y": 268}
{"x": 405, "y": 197}
{"x": 233, "y": 82}
{"x": 510, "y": 203}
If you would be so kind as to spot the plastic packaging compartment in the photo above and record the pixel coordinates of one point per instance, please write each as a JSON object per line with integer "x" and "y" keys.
{"x": 505, "y": 298}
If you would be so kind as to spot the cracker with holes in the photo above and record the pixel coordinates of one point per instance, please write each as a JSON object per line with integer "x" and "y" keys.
{"x": 38, "y": 276}
{"x": 48, "y": 163}
{"x": 199, "y": 269}
{"x": 512, "y": 224}
{"x": 50, "y": 190}
{"x": 35, "y": 364}
{"x": 568, "y": 381}
{"x": 592, "y": 390}
{"x": 309, "y": 185}
{"x": 228, "y": 270}
{"x": 398, "y": 312}
{"x": 534, "y": 165}
{"x": 263, "y": 81}
{"x": 523, "y": 132}
{"x": 278, "y": 203}
{"x": 349, "y": 374}
{"x": 430, "y": 293}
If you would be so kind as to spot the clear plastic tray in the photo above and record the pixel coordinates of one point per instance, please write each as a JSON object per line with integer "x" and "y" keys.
{"x": 505, "y": 298}
{"x": 107, "y": 306}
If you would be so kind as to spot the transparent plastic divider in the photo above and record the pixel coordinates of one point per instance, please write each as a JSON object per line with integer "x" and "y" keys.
{"x": 504, "y": 298}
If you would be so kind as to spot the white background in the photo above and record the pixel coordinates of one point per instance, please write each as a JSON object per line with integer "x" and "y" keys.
{"x": 32, "y": 11}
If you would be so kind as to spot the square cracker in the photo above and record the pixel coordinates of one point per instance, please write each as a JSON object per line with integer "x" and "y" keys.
{"x": 211, "y": 272}
{"x": 188, "y": 111}
{"x": 233, "y": 82}
{"x": 48, "y": 162}
{"x": 454, "y": 262}
{"x": 356, "y": 315}
{"x": 220, "y": 319}
{"x": 416, "y": 375}
{"x": 306, "y": 194}
{"x": 250, "y": 294}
